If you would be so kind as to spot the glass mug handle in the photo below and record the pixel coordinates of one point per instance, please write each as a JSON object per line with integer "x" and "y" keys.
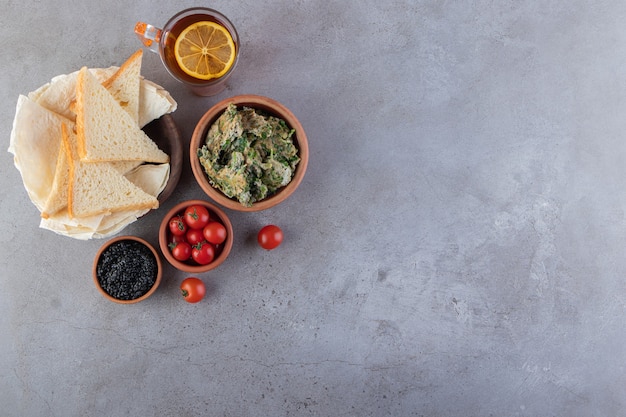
{"x": 149, "y": 35}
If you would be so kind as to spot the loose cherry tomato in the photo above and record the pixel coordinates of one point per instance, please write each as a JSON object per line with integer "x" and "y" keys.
{"x": 194, "y": 236}
{"x": 203, "y": 253}
{"x": 181, "y": 251}
{"x": 178, "y": 227}
{"x": 192, "y": 289}
{"x": 214, "y": 232}
{"x": 196, "y": 216}
{"x": 270, "y": 237}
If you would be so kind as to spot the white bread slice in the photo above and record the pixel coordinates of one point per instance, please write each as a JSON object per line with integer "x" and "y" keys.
{"x": 124, "y": 167}
{"x": 105, "y": 131}
{"x": 98, "y": 188}
{"x": 125, "y": 84}
{"x": 57, "y": 199}
{"x": 59, "y": 94}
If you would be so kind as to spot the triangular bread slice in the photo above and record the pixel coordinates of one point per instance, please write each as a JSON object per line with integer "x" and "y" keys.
{"x": 125, "y": 84}
{"x": 105, "y": 131}
{"x": 124, "y": 167}
{"x": 98, "y": 188}
{"x": 60, "y": 93}
{"x": 57, "y": 199}
{"x": 59, "y": 96}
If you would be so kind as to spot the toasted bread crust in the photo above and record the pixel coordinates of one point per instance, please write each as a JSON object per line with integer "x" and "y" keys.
{"x": 130, "y": 62}
{"x": 99, "y": 188}
{"x": 80, "y": 115}
{"x": 67, "y": 148}
{"x": 105, "y": 131}
{"x": 125, "y": 85}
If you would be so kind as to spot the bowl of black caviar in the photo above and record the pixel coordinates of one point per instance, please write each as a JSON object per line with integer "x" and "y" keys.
{"x": 127, "y": 269}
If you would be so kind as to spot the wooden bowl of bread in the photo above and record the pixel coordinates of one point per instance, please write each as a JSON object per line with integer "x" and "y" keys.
{"x": 85, "y": 161}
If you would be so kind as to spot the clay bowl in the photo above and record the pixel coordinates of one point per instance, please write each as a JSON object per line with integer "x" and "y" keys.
{"x": 189, "y": 266}
{"x": 270, "y": 107}
{"x": 141, "y": 265}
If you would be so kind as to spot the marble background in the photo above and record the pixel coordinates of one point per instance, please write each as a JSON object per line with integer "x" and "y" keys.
{"x": 456, "y": 247}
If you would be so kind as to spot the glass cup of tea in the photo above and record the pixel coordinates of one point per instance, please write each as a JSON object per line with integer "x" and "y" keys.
{"x": 198, "y": 46}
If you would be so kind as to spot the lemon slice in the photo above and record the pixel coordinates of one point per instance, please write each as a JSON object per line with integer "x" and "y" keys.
{"x": 205, "y": 50}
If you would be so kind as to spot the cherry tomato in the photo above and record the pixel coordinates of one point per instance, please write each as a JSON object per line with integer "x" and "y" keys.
{"x": 214, "y": 232}
{"x": 192, "y": 289}
{"x": 178, "y": 239}
{"x": 196, "y": 216}
{"x": 203, "y": 253}
{"x": 270, "y": 237}
{"x": 181, "y": 251}
{"x": 178, "y": 227}
{"x": 194, "y": 236}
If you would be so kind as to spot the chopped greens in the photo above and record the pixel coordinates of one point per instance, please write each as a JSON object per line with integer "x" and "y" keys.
{"x": 247, "y": 155}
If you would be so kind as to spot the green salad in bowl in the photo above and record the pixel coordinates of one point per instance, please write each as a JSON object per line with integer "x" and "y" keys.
{"x": 249, "y": 155}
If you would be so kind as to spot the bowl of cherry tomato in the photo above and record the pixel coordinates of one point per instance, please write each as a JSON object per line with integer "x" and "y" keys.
{"x": 195, "y": 236}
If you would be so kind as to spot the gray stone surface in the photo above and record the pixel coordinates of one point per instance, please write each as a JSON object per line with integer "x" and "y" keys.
{"x": 455, "y": 249}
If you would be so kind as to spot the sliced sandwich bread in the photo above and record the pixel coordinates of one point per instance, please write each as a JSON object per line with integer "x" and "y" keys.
{"x": 105, "y": 131}
{"x": 57, "y": 199}
{"x": 59, "y": 96}
{"x": 99, "y": 188}
{"x": 124, "y": 85}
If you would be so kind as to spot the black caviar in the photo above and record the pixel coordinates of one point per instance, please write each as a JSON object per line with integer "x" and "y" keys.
{"x": 126, "y": 270}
